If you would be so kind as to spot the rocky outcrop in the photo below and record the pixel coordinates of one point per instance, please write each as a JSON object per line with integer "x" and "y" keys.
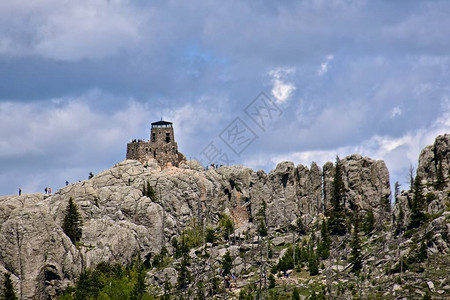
{"x": 434, "y": 161}
{"x": 366, "y": 183}
{"x": 119, "y": 221}
{"x": 34, "y": 248}
{"x": 434, "y": 171}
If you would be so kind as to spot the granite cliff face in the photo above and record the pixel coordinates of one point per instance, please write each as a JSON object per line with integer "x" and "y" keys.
{"x": 366, "y": 183}
{"x": 119, "y": 221}
{"x": 34, "y": 248}
{"x": 434, "y": 173}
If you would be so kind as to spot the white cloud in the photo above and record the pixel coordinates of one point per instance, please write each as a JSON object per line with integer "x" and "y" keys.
{"x": 281, "y": 87}
{"x": 44, "y": 144}
{"x": 323, "y": 69}
{"x": 68, "y": 30}
{"x": 395, "y": 112}
{"x": 397, "y": 152}
{"x": 64, "y": 124}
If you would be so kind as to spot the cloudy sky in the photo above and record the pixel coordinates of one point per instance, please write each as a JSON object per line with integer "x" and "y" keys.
{"x": 79, "y": 79}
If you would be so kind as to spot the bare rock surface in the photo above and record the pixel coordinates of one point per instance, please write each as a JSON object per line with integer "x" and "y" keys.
{"x": 120, "y": 221}
{"x": 366, "y": 182}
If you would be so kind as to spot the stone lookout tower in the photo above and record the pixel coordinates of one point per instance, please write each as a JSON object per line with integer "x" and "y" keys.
{"x": 161, "y": 146}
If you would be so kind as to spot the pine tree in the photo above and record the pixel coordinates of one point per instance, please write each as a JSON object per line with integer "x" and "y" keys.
{"x": 325, "y": 242}
{"x": 295, "y": 294}
{"x": 337, "y": 213}
{"x": 210, "y": 235}
{"x": 184, "y": 276}
{"x": 72, "y": 222}
{"x": 355, "y": 255}
{"x": 8, "y": 288}
{"x": 226, "y": 225}
{"x": 200, "y": 291}
{"x": 300, "y": 227}
{"x": 399, "y": 228}
{"x": 427, "y": 296}
{"x": 150, "y": 192}
{"x": 422, "y": 255}
{"x": 440, "y": 180}
{"x": 418, "y": 217}
{"x": 167, "y": 290}
{"x": 396, "y": 190}
{"x": 313, "y": 264}
{"x": 139, "y": 287}
{"x": 411, "y": 177}
{"x": 369, "y": 222}
{"x": 227, "y": 263}
{"x": 262, "y": 228}
{"x": 272, "y": 282}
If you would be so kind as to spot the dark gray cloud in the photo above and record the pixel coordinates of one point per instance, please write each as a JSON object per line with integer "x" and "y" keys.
{"x": 78, "y": 80}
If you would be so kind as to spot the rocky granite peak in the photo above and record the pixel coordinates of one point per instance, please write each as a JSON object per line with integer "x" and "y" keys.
{"x": 120, "y": 221}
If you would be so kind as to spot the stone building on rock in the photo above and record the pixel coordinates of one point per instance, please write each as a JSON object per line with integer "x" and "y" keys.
{"x": 161, "y": 146}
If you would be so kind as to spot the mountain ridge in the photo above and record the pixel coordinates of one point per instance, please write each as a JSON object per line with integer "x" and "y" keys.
{"x": 120, "y": 222}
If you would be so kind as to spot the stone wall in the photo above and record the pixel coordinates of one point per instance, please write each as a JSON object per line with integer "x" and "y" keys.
{"x": 139, "y": 150}
{"x": 161, "y": 147}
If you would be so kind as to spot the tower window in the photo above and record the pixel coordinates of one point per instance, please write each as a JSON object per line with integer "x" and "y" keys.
{"x": 153, "y": 137}
{"x": 167, "y": 137}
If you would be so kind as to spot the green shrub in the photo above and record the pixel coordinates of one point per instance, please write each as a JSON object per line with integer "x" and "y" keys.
{"x": 430, "y": 197}
{"x": 272, "y": 282}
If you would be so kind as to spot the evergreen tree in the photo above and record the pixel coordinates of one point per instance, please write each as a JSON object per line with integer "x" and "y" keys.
{"x": 313, "y": 264}
{"x": 286, "y": 262}
{"x": 386, "y": 204}
{"x": 184, "y": 276}
{"x": 72, "y": 222}
{"x": 210, "y": 235}
{"x": 226, "y": 225}
{"x": 139, "y": 287}
{"x": 337, "y": 213}
{"x": 8, "y": 288}
{"x": 150, "y": 192}
{"x": 427, "y": 296}
{"x": 262, "y": 228}
{"x": 300, "y": 227}
{"x": 418, "y": 217}
{"x": 355, "y": 255}
{"x": 167, "y": 289}
{"x": 227, "y": 263}
{"x": 422, "y": 255}
{"x": 369, "y": 222}
{"x": 411, "y": 177}
{"x": 325, "y": 242}
{"x": 272, "y": 282}
{"x": 88, "y": 285}
{"x": 200, "y": 291}
{"x": 396, "y": 190}
{"x": 295, "y": 294}
{"x": 399, "y": 228}
{"x": 440, "y": 179}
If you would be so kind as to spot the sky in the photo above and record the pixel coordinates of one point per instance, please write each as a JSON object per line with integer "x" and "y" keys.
{"x": 294, "y": 80}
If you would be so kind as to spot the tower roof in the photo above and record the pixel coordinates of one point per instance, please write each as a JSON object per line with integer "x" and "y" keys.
{"x": 162, "y": 124}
